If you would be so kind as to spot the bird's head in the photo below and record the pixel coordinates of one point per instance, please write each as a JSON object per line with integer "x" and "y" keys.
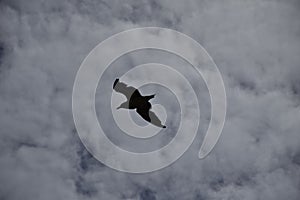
{"x": 119, "y": 107}
{"x": 123, "y": 105}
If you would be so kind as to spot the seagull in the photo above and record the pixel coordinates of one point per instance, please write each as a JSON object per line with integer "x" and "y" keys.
{"x": 138, "y": 102}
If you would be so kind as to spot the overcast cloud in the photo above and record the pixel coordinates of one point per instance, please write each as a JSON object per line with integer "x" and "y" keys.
{"x": 255, "y": 44}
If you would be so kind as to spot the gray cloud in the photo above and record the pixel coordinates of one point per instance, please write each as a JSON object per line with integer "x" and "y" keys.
{"x": 254, "y": 43}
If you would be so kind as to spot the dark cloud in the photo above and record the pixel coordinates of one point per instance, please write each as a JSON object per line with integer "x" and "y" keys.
{"x": 256, "y": 45}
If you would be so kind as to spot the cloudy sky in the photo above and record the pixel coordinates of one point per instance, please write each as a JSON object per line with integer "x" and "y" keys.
{"x": 255, "y": 44}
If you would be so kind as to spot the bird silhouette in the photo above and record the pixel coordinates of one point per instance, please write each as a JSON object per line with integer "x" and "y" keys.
{"x": 138, "y": 102}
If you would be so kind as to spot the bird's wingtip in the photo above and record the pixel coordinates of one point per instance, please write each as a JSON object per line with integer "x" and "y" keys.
{"x": 115, "y": 83}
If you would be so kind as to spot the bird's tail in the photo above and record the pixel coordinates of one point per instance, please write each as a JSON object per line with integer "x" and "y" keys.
{"x": 150, "y": 97}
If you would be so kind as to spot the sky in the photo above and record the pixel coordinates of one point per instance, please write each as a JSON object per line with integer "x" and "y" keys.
{"x": 256, "y": 46}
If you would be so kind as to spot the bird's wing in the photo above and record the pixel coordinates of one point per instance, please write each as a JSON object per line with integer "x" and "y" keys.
{"x": 151, "y": 117}
{"x": 128, "y": 91}
{"x": 155, "y": 120}
{"x": 144, "y": 113}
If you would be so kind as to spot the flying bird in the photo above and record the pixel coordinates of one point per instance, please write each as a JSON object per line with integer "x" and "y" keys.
{"x": 138, "y": 102}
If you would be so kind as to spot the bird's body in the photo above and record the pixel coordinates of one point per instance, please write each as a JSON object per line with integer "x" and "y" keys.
{"x": 136, "y": 101}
